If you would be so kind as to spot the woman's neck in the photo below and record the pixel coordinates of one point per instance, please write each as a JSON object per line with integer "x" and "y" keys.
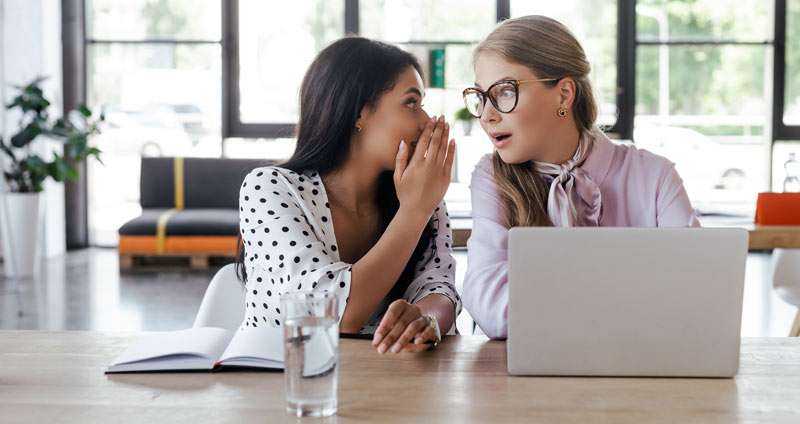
{"x": 563, "y": 145}
{"x": 353, "y": 186}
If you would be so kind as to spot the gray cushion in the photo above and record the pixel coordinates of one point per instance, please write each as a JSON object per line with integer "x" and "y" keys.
{"x": 208, "y": 182}
{"x": 187, "y": 222}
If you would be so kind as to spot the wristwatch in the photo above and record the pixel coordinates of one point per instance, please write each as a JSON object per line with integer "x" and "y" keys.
{"x": 434, "y": 324}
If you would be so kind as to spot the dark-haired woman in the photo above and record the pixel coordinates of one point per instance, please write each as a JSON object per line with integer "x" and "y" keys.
{"x": 357, "y": 210}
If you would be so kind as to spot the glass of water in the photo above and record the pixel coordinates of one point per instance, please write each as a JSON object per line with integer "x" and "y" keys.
{"x": 311, "y": 344}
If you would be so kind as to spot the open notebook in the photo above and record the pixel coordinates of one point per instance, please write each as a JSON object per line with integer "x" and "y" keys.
{"x": 211, "y": 348}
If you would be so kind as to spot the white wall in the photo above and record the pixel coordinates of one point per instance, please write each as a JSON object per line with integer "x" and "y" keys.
{"x": 30, "y": 46}
{"x": 2, "y": 67}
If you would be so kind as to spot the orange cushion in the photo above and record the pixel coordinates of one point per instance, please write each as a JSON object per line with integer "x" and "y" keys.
{"x": 181, "y": 245}
{"x": 778, "y": 209}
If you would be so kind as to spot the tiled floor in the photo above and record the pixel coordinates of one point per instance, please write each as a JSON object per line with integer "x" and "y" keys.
{"x": 84, "y": 291}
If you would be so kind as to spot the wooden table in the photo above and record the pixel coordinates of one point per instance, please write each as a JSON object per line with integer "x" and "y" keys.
{"x": 765, "y": 237}
{"x": 762, "y": 237}
{"x": 49, "y": 377}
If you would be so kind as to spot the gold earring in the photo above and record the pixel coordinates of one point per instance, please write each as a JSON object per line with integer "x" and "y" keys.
{"x": 562, "y": 112}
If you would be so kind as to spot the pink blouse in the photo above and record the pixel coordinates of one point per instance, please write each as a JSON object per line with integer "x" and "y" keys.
{"x": 638, "y": 188}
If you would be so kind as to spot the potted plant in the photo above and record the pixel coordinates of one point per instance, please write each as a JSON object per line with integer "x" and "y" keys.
{"x": 465, "y": 118}
{"x": 25, "y": 171}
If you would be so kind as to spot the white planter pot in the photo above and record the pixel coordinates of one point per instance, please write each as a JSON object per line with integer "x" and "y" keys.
{"x": 21, "y": 219}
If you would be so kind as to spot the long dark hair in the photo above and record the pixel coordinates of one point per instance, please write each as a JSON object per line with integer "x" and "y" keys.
{"x": 348, "y": 75}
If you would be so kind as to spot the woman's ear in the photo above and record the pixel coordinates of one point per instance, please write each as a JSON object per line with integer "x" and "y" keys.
{"x": 566, "y": 91}
{"x": 359, "y": 123}
{"x": 363, "y": 119}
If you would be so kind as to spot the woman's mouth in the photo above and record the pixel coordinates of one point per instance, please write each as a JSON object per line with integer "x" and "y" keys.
{"x": 500, "y": 140}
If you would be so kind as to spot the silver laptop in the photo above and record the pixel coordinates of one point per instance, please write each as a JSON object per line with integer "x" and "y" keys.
{"x": 625, "y": 301}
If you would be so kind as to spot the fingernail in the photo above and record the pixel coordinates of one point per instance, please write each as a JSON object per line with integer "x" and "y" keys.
{"x": 402, "y": 145}
{"x": 381, "y": 349}
{"x": 377, "y": 339}
{"x": 396, "y": 348}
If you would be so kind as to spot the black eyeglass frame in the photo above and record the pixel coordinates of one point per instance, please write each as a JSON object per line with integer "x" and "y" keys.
{"x": 485, "y": 94}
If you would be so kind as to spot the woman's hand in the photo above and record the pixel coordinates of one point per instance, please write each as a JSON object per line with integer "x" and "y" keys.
{"x": 422, "y": 180}
{"x": 403, "y": 329}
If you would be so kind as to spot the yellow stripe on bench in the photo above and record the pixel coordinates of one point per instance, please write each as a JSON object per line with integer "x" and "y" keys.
{"x": 179, "y": 193}
{"x": 161, "y": 225}
{"x": 161, "y": 230}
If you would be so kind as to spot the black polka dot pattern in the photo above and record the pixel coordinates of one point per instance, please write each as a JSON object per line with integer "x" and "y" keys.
{"x": 436, "y": 269}
{"x": 290, "y": 245}
{"x": 284, "y": 235}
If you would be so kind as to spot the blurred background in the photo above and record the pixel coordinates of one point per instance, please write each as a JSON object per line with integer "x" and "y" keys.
{"x": 713, "y": 85}
{"x": 702, "y": 80}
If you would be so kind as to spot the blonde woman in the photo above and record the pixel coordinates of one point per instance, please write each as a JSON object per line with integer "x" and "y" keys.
{"x": 551, "y": 166}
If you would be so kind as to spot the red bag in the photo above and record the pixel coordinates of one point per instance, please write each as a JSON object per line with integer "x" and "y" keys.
{"x": 778, "y": 209}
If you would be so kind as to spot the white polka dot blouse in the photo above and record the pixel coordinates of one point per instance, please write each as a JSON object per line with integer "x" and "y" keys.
{"x": 290, "y": 245}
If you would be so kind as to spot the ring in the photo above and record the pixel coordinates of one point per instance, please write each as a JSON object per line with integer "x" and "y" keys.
{"x": 433, "y": 323}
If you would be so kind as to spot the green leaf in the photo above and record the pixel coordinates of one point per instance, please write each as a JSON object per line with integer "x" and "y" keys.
{"x": 54, "y": 170}
{"x": 34, "y": 162}
{"x": 72, "y": 173}
{"x": 84, "y": 110}
{"x": 59, "y": 132}
{"x": 463, "y": 115}
{"x": 24, "y": 137}
{"x": 76, "y": 147}
{"x": 95, "y": 152}
{"x": 35, "y": 83}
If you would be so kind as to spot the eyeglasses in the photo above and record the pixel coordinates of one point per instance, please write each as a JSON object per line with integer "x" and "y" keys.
{"x": 503, "y": 94}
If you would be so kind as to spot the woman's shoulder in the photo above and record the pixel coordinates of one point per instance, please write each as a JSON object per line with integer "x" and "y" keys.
{"x": 278, "y": 177}
{"x": 630, "y": 152}
{"x": 285, "y": 187}
{"x": 484, "y": 168}
{"x": 630, "y": 158}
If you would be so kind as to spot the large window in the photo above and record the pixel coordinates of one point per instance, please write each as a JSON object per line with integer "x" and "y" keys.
{"x": 703, "y": 84}
{"x": 450, "y": 28}
{"x": 791, "y": 113}
{"x": 277, "y": 42}
{"x": 692, "y": 80}
{"x": 270, "y": 47}
{"x": 598, "y": 41}
{"x": 786, "y": 154}
{"x": 155, "y": 67}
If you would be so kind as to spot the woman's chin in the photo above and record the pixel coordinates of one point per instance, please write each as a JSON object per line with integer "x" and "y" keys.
{"x": 511, "y": 157}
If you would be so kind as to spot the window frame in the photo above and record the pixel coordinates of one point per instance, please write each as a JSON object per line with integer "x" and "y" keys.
{"x": 780, "y": 130}
{"x": 234, "y": 127}
{"x": 77, "y": 43}
{"x": 626, "y": 67}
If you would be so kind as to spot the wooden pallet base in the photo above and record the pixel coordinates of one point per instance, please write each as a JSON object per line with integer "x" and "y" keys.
{"x": 138, "y": 261}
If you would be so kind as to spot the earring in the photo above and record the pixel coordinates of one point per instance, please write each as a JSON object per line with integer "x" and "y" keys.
{"x": 562, "y": 112}
{"x": 358, "y": 128}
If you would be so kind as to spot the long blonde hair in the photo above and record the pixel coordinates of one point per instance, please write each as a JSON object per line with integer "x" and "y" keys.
{"x": 549, "y": 50}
